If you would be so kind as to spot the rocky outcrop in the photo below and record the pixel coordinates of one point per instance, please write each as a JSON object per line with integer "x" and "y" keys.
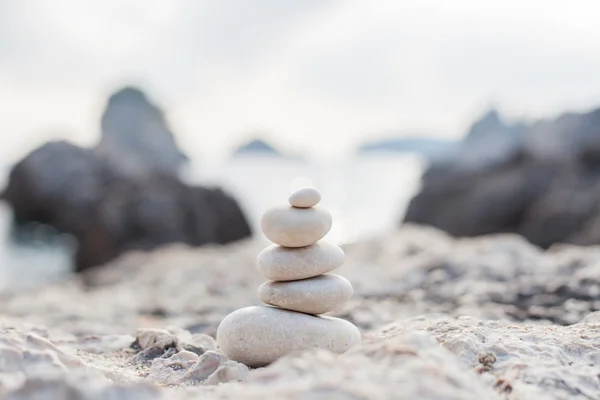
{"x": 432, "y": 357}
{"x": 135, "y": 136}
{"x": 38, "y": 364}
{"x": 541, "y": 181}
{"x": 79, "y": 192}
{"x": 123, "y": 194}
{"x": 485, "y": 318}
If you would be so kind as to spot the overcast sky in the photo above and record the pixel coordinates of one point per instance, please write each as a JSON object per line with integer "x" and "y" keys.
{"x": 318, "y": 75}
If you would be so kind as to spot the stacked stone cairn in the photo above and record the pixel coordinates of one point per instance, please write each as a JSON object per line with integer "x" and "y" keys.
{"x": 300, "y": 288}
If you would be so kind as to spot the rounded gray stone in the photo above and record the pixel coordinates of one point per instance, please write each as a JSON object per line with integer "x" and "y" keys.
{"x": 258, "y": 335}
{"x": 279, "y": 263}
{"x": 305, "y": 198}
{"x": 296, "y": 227}
{"x": 317, "y": 295}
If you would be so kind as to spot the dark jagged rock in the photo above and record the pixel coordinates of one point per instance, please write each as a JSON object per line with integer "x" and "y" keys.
{"x": 124, "y": 194}
{"x": 541, "y": 181}
{"x": 109, "y": 212}
{"x": 135, "y": 135}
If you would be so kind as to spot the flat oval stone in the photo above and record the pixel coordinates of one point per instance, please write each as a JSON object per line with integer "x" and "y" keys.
{"x": 317, "y": 295}
{"x": 257, "y": 336}
{"x": 279, "y": 263}
{"x": 305, "y": 198}
{"x": 296, "y": 227}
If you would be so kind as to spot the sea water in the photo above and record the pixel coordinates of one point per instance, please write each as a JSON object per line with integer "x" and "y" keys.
{"x": 366, "y": 195}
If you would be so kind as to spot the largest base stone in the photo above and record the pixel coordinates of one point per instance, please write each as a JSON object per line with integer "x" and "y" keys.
{"x": 258, "y": 335}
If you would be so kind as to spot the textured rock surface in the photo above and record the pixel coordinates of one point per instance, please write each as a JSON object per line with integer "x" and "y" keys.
{"x": 411, "y": 366}
{"x": 530, "y": 331}
{"x": 519, "y": 361}
{"x": 540, "y": 181}
{"x": 187, "y": 368}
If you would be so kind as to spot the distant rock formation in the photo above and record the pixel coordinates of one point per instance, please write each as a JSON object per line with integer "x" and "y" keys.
{"x": 135, "y": 136}
{"x": 490, "y": 141}
{"x": 428, "y": 148}
{"x": 541, "y": 181}
{"x": 257, "y": 146}
{"x": 124, "y": 194}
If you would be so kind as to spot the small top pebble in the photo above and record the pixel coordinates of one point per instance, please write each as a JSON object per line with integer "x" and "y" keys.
{"x": 305, "y": 198}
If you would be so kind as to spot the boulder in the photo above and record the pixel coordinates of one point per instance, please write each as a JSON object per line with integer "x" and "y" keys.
{"x": 541, "y": 181}
{"x": 124, "y": 194}
{"x": 110, "y": 212}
